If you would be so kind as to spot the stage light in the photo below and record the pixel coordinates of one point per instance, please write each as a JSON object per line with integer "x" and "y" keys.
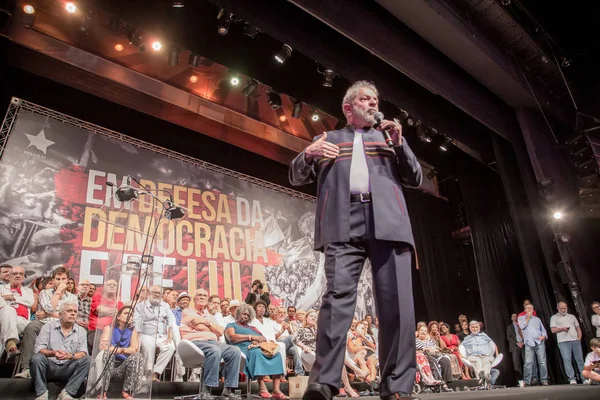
{"x": 119, "y": 47}
{"x": 193, "y": 79}
{"x": 557, "y": 215}
{"x": 234, "y": 80}
{"x": 28, "y": 9}
{"x": 250, "y": 88}
{"x": 173, "y": 56}
{"x": 314, "y": 116}
{"x": 178, "y": 4}
{"x": 224, "y": 21}
{"x": 445, "y": 145}
{"x": 411, "y": 121}
{"x": 425, "y": 136}
{"x": 565, "y": 62}
{"x": 328, "y": 79}
{"x": 505, "y": 2}
{"x": 274, "y": 100}
{"x": 403, "y": 115}
{"x": 70, "y": 7}
{"x": 194, "y": 60}
{"x": 156, "y": 45}
{"x": 283, "y": 54}
{"x": 297, "y": 110}
{"x": 250, "y": 30}
{"x": 282, "y": 118}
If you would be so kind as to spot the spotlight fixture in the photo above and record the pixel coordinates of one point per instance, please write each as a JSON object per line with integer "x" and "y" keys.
{"x": 234, "y": 80}
{"x": 403, "y": 115}
{"x": 178, "y": 4}
{"x": 224, "y": 21}
{"x": 274, "y": 100}
{"x": 250, "y": 88}
{"x": 424, "y": 135}
{"x": 505, "y": 2}
{"x": 545, "y": 59}
{"x": 194, "y": 60}
{"x": 173, "y": 56}
{"x": 565, "y": 62}
{"x": 557, "y": 215}
{"x": 250, "y": 30}
{"x": 284, "y": 53}
{"x": 193, "y": 79}
{"x": 156, "y": 45}
{"x": 119, "y": 47}
{"x": 314, "y": 116}
{"x": 70, "y": 7}
{"x": 445, "y": 145}
{"x": 282, "y": 118}
{"x": 297, "y": 110}
{"x": 28, "y": 9}
{"x": 328, "y": 78}
{"x": 411, "y": 121}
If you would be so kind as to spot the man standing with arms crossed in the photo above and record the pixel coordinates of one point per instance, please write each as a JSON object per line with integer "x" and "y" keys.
{"x": 361, "y": 213}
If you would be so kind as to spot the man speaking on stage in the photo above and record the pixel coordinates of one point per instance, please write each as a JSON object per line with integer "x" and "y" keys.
{"x": 361, "y": 212}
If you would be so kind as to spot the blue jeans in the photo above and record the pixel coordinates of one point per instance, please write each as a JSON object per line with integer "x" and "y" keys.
{"x": 213, "y": 353}
{"x": 74, "y": 372}
{"x": 568, "y": 348}
{"x": 292, "y": 350}
{"x": 531, "y": 353}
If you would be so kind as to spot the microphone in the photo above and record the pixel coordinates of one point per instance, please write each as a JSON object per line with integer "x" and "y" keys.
{"x": 125, "y": 192}
{"x": 378, "y": 118}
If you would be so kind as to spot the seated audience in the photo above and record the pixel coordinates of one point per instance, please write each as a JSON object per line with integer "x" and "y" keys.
{"x": 154, "y": 321}
{"x": 427, "y": 346}
{"x": 15, "y": 310}
{"x": 71, "y": 286}
{"x": 480, "y": 350}
{"x": 49, "y": 303}
{"x": 224, "y": 307}
{"x": 84, "y": 304}
{"x": 172, "y": 299}
{"x": 258, "y": 365}
{"x": 371, "y": 349}
{"x": 267, "y": 327}
{"x": 596, "y": 317}
{"x": 5, "y": 274}
{"x": 119, "y": 345}
{"x": 92, "y": 291}
{"x": 61, "y": 354}
{"x": 233, "y": 305}
{"x": 183, "y": 302}
{"x": 426, "y": 372}
{"x": 451, "y": 342}
{"x": 104, "y": 307}
{"x": 591, "y": 369}
{"x": 465, "y": 331}
{"x": 300, "y": 318}
{"x": 283, "y": 334}
{"x": 198, "y": 326}
{"x": 433, "y": 329}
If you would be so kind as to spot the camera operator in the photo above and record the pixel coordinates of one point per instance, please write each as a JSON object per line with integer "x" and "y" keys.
{"x": 256, "y": 293}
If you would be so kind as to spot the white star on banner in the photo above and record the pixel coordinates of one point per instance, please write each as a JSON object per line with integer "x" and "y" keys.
{"x": 39, "y": 141}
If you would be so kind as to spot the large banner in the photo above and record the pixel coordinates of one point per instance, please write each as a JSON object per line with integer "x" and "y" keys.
{"x": 57, "y": 209}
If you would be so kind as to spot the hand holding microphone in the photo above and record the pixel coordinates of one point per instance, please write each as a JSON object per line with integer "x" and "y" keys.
{"x": 392, "y": 131}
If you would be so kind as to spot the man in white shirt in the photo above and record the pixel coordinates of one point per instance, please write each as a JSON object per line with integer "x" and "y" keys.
{"x": 283, "y": 334}
{"x": 568, "y": 336}
{"x": 154, "y": 319}
{"x": 233, "y": 305}
{"x": 214, "y": 309}
{"x": 15, "y": 310}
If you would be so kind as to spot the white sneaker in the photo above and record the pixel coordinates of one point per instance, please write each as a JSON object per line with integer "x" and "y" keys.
{"x": 26, "y": 375}
{"x": 573, "y": 382}
{"x": 64, "y": 395}
{"x": 194, "y": 378}
{"x": 587, "y": 382}
{"x": 43, "y": 396}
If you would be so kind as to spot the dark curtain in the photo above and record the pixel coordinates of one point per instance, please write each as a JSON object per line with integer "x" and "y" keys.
{"x": 543, "y": 285}
{"x": 447, "y": 288}
{"x": 502, "y": 281}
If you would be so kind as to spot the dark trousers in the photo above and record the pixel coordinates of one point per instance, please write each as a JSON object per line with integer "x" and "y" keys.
{"x": 73, "y": 371}
{"x": 517, "y": 358}
{"x": 391, "y": 266}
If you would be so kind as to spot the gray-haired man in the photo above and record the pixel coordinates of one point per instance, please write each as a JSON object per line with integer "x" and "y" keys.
{"x": 61, "y": 353}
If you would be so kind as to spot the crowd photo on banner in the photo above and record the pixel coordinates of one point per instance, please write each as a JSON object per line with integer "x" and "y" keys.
{"x": 237, "y": 276}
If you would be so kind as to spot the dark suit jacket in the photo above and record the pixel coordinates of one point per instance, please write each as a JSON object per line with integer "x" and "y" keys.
{"x": 252, "y": 298}
{"x": 388, "y": 170}
{"x": 511, "y": 336}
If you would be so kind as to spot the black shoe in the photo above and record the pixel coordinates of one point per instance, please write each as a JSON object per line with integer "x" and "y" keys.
{"x": 227, "y": 394}
{"x": 399, "y": 396}
{"x": 317, "y": 391}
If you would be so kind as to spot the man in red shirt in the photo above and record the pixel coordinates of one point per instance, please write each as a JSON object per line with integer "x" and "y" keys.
{"x": 103, "y": 310}
{"x": 15, "y": 308}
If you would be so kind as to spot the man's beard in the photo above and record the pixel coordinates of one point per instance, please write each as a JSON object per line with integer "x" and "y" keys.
{"x": 154, "y": 301}
{"x": 364, "y": 115}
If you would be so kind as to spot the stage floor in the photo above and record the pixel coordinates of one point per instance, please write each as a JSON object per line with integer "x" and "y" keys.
{"x": 22, "y": 389}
